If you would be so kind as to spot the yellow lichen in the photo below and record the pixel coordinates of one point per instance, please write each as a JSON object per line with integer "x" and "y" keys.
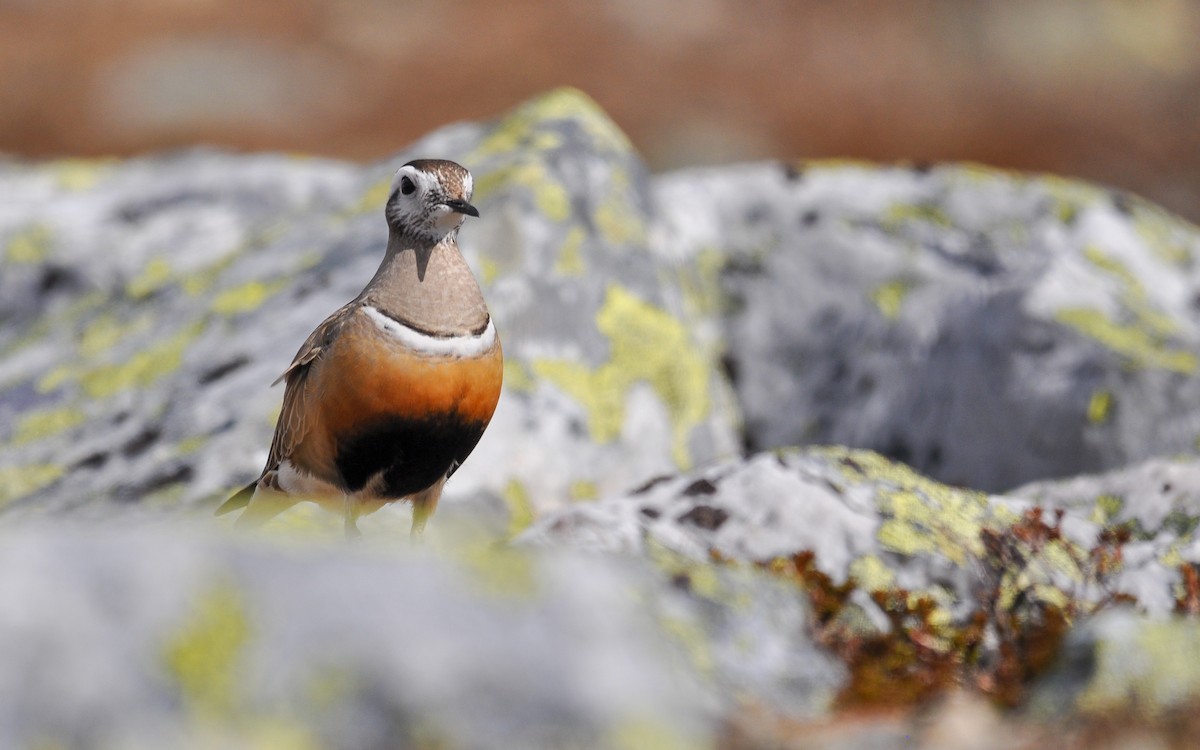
{"x": 549, "y": 196}
{"x": 498, "y": 570}
{"x": 570, "y": 257}
{"x": 520, "y": 509}
{"x": 1131, "y": 341}
{"x": 152, "y": 278}
{"x": 889, "y": 297}
{"x": 79, "y": 174}
{"x": 871, "y": 573}
{"x": 105, "y": 331}
{"x": 517, "y": 376}
{"x": 142, "y": 369}
{"x": 374, "y": 197}
{"x": 1100, "y": 406}
{"x": 489, "y": 270}
{"x": 647, "y": 345}
{"x": 42, "y": 424}
{"x": 583, "y": 489}
{"x": 19, "y": 481}
{"x": 524, "y": 126}
{"x": 903, "y": 213}
{"x": 203, "y": 656}
{"x": 245, "y": 297}
{"x": 30, "y": 246}
{"x": 1154, "y": 670}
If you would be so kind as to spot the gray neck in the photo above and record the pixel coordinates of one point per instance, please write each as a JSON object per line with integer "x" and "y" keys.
{"x": 428, "y": 287}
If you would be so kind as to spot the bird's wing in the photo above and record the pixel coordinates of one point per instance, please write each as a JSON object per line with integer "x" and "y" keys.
{"x": 292, "y": 425}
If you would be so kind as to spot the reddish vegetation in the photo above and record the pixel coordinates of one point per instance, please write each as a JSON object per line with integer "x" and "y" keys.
{"x": 917, "y": 659}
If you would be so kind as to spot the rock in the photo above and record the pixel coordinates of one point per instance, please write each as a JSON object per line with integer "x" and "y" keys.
{"x": 150, "y": 303}
{"x": 987, "y": 328}
{"x": 156, "y": 636}
{"x": 1124, "y": 664}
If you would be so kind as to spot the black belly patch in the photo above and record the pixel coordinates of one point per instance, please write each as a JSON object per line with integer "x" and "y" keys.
{"x": 411, "y": 453}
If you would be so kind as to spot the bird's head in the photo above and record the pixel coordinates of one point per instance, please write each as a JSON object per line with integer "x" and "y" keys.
{"x": 429, "y": 199}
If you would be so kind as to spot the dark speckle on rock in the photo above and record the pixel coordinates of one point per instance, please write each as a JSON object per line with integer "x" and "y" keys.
{"x": 700, "y": 487}
{"x": 706, "y": 517}
{"x": 649, "y": 512}
{"x": 793, "y": 171}
{"x": 225, "y": 368}
{"x": 650, "y": 484}
{"x": 140, "y": 442}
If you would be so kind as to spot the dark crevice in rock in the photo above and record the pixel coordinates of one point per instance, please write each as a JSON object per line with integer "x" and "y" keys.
{"x": 651, "y": 513}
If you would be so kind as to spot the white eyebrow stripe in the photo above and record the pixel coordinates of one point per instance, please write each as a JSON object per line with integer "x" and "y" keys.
{"x": 469, "y": 345}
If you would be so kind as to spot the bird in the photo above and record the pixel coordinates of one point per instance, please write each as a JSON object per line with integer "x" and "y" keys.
{"x": 390, "y": 394}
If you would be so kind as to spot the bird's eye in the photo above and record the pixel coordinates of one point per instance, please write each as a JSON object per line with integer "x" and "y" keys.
{"x": 407, "y": 186}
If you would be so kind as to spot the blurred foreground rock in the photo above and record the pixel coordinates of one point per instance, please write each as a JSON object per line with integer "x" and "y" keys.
{"x": 987, "y": 329}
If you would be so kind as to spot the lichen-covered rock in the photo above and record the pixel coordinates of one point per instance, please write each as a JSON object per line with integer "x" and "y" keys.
{"x": 1122, "y": 664}
{"x": 148, "y": 304}
{"x": 987, "y": 328}
{"x": 157, "y": 636}
{"x": 884, "y": 526}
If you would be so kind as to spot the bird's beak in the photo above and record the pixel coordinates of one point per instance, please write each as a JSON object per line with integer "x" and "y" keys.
{"x": 462, "y": 207}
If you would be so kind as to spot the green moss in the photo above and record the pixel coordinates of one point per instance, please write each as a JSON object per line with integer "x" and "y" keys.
{"x": 142, "y": 369}
{"x": 245, "y": 297}
{"x": 204, "y": 655}
{"x": 30, "y": 246}
{"x": 1131, "y": 341}
{"x": 650, "y": 346}
{"x": 38, "y": 425}
{"x": 19, "y": 481}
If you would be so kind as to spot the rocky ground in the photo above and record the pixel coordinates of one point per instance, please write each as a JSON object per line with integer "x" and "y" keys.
{"x": 789, "y": 455}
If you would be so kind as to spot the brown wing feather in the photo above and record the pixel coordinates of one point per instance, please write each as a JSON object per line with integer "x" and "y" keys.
{"x": 291, "y": 427}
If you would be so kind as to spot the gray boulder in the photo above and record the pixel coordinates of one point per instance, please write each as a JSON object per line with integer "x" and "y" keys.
{"x": 148, "y": 304}
{"x": 987, "y": 328}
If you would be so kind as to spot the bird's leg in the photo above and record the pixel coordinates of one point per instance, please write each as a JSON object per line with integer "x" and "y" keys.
{"x": 424, "y": 503}
{"x": 350, "y": 518}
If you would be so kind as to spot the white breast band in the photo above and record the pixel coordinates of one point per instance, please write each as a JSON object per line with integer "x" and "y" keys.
{"x": 470, "y": 345}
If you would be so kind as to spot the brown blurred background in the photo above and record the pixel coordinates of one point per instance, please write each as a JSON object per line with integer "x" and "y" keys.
{"x": 1105, "y": 89}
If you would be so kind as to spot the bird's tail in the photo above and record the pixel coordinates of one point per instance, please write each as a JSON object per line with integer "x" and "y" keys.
{"x": 239, "y": 500}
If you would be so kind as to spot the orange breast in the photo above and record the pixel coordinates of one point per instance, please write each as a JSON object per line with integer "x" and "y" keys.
{"x": 368, "y": 376}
